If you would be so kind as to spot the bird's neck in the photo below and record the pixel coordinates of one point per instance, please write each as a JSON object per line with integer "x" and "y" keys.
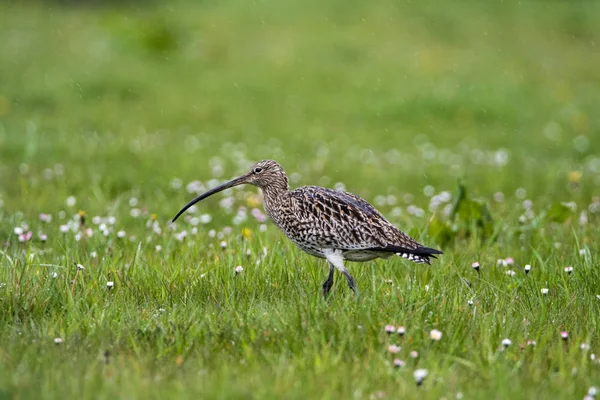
{"x": 276, "y": 198}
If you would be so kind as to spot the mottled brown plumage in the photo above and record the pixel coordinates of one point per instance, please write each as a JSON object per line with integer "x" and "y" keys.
{"x": 327, "y": 223}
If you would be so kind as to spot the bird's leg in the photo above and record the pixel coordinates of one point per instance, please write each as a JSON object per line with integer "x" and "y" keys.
{"x": 351, "y": 283}
{"x": 337, "y": 260}
{"x": 329, "y": 282}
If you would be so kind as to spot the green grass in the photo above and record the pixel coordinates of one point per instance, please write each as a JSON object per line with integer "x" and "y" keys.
{"x": 112, "y": 102}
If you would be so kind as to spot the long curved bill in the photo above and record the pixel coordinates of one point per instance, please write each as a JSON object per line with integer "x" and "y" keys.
{"x": 234, "y": 182}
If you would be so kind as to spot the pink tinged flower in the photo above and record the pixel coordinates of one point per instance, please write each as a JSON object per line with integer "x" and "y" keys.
{"x": 564, "y": 335}
{"x": 401, "y": 330}
{"x": 414, "y": 354}
{"x": 435, "y": 335}
{"x": 64, "y": 228}
{"x": 420, "y": 375}
{"x": 527, "y": 269}
{"x": 398, "y": 363}
{"x": 45, "y": 217}
{"x": 475, "y": 266}
{"x": 24, "y": 237}
{"x": 569, "y": 270}
{"x": 43, "y": 237}
{"x": 509, "y": 261}
{"x": 392, "y": 348}
{"x": 531, "y": 343}
{"x": 389, "y": 329}
{"x": 239, "y": 269}
{"x": 506, "y": 343}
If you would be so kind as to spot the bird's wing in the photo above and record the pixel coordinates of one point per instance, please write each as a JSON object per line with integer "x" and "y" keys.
{"x": 347, "y": 220}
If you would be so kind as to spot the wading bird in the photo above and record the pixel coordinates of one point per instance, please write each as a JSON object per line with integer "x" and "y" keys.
{"x": 326, "y": 223}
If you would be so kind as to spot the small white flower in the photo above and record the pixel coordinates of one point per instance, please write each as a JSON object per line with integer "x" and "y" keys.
{"x": 93, "y": 254}
{"x": 239, "y": 269}
{"x": 71, "y": 201}
{"x": 584, "y": 346}
{"x": 435, "y": 335}
{"x": 569, "y": 270}
{"x": 121, "y": 234}
{"x": 506, "y": 342}
{"x": 58, "y": 340}
{"x": 531, "y": 343}
{"x": 544, "y": 291}
{"x": 110, "y": 284}
{"x": 593, "y": 391}
{"x": 510, "y": 272}
{"x": 135, "y": 212}
{"x": 158, "y": 248}
{"x": 527, "y": 268}
{"x": 564, "y": 335}
{"x": 54, "y": 275}
{"x": 64, "y": 228}
{"x": 475, "y": 266}
{"x": 414, "y": 354}
{"x": 398, "y": 363}
{"x": 43, "y": 237}
{"x": 401, "y": 330}
{"x": 420, "y": 375}
{"x": 133, "y": 202}
{"x": 80, "y": 267}
{"x": 389, "y": 329}
{"x": 18, "y": 230}
{"x": 223, "y": 245}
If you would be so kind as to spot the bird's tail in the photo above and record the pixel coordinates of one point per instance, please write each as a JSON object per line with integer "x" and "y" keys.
{"x": 421, "y": 254}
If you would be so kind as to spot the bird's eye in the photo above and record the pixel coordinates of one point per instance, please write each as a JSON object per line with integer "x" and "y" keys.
{"x": 258, "y": 170}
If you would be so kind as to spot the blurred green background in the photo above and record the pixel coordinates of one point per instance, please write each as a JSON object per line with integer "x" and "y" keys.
{"x": 123, "y": 105}
{"x": 384, "y": 96}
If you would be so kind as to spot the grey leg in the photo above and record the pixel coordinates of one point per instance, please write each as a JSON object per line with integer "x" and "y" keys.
{"x": 351, "y": 283}
{"x": 336, "y": 259}
{"x": 329, "y": 282}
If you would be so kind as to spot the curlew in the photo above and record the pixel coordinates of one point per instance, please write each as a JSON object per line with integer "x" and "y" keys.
{"x": 326, "y": 223}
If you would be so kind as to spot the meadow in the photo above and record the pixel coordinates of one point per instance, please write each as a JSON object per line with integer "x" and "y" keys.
{"x": 473, "y": 126}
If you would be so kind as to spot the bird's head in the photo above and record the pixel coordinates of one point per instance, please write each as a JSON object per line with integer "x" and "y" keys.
{"x": 266, "y": 174}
